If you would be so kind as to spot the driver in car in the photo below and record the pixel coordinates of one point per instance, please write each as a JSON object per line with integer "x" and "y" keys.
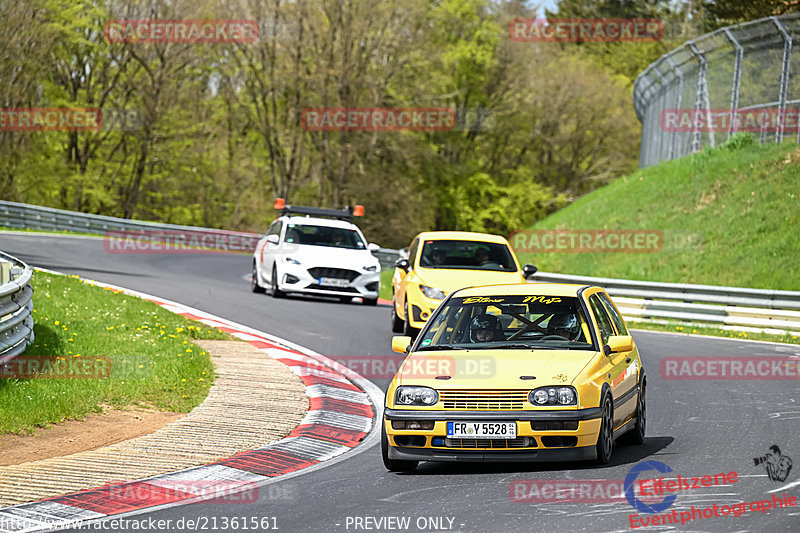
{"x": 485, "y": 328}
{"x": 564, "y": 325}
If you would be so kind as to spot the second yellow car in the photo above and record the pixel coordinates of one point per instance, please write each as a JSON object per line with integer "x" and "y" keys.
{"x": 440, "y": 262}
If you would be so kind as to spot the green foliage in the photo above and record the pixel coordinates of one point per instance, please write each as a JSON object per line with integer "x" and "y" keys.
{"x": 484, "y": 205}
{"x": 218, "y": 131}
{"x": 739, "y": 140}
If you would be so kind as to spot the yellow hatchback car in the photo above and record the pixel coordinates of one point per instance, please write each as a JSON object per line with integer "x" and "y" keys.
{"x": 533, "y": 372}
{"x": 440, "y": 262}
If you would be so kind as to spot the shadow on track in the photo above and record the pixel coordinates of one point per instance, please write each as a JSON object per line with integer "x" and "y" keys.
{"x": 623, "y": 455}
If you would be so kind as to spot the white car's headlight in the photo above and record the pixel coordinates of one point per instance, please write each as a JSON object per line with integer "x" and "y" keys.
{"x": 416, "y": 396}
{"x": 432, "y": 292}
{"x": 292, "y": 260}
{"x": 370, "y": 268}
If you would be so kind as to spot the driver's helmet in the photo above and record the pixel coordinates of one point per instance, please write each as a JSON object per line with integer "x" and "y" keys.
{"x": 566, "y": 325}
{"x": 438, "y": 251}
{"x": 481, "y": 323}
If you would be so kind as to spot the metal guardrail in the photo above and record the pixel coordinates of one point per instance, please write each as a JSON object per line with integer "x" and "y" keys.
{"x": 733, "y": 308}
{"x": 16, "y": 308}
{"x": 27, "y": 216}
{"x": 24, "y": 216}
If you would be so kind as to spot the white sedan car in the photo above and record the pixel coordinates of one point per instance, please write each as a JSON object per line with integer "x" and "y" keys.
{"x": 315, "y": 255}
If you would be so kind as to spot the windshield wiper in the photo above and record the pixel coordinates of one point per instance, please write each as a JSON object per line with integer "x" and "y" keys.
{"x": 502, "y": 346}
{"x": 440, "y": 347}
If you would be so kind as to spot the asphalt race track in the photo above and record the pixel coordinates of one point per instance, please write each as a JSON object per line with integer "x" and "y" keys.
{"x": 697, "y": 428}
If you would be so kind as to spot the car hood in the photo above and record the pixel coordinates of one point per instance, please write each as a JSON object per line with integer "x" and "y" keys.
{"x": 493, "y": 369}
{"x": 311, "y": 256}
{"x": 450, "y": 280}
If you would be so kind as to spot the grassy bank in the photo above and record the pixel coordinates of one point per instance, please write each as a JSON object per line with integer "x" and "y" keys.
{"x": 148, "y": 352}
{"x": 729, "y": 216}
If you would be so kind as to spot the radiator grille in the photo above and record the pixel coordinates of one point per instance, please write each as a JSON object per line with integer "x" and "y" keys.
{"x": 519, "y": 442}
{"x": 482, "y": 400}
{"x": 340, "y": 273}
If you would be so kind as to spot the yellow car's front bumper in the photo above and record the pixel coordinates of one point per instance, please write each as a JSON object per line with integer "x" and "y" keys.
{"x": 534, "y": 441}
{"x": 420, "y": 307}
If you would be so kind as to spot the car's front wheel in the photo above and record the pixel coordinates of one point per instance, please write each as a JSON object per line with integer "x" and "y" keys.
{"x": 605, "y": 439}
{"x": 276, "y": 292}
{"x": 397, "y": 322}
{"x": 394, "y": 465}
{"x": 254, "y": 285}
{"x": 370, "y": 301}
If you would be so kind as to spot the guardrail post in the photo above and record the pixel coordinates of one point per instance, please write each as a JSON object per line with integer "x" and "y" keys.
{"x": 737, "y": 77}
{"x": 787, "y": 50}
{"x": 679, "y": 75}
{"x": 701, "y": 97}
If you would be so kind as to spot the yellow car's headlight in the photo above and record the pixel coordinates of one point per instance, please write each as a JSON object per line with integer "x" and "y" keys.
{"x": 554, "y": 396}
{"x": 416, "y": 396}
{"x": 432, "y": 292}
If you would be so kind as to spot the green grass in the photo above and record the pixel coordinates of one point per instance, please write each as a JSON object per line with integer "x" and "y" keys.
{"x": 728, "y": 217}
{"x": 714, "y": 332}
{"x": 152, "y": 358}
{"x": 52, "y": 232}
{"x": 386, "y": 284}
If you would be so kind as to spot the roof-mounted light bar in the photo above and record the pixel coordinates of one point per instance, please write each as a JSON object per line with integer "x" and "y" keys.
{"x": 343, "y": 214}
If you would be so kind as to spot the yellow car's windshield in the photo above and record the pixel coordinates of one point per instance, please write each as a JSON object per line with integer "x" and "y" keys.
{"x": 494, "y": 322}
{"x": 469, "y": 255}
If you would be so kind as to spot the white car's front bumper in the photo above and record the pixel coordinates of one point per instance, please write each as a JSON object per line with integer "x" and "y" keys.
{"x": 309, "y": 280}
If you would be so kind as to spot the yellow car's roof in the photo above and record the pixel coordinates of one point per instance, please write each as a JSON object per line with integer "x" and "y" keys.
{"x": 461, "y": 236}
{"x": 523, "y": 289}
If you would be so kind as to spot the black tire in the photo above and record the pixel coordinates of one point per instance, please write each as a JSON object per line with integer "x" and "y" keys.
{"x": 276, "y": 292}
{"x": 370, "y": 301}
{"x": 254, "y": 285}
{"x": 605, "y": 439}
{"x": 394, "y": 465}
{"x": 636, "y": 435}
{"x": 397, "y": 322}
{"x": 408, "y": 329}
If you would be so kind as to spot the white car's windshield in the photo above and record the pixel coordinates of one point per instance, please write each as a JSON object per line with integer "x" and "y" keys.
{"x": 496, "y": 322}
{"x": 324, "y": 236}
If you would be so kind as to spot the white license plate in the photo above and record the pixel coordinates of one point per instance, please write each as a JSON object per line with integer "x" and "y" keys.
{"x": 482, "y": 430}
{"x": 334, "y": 282}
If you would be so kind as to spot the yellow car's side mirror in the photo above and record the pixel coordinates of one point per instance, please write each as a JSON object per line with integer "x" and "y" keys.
{"x": 401, "y": 344}
{"x": 619, "y": 343}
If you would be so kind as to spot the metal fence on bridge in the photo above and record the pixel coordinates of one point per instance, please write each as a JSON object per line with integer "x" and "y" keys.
{"x": 737, "y": 78}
